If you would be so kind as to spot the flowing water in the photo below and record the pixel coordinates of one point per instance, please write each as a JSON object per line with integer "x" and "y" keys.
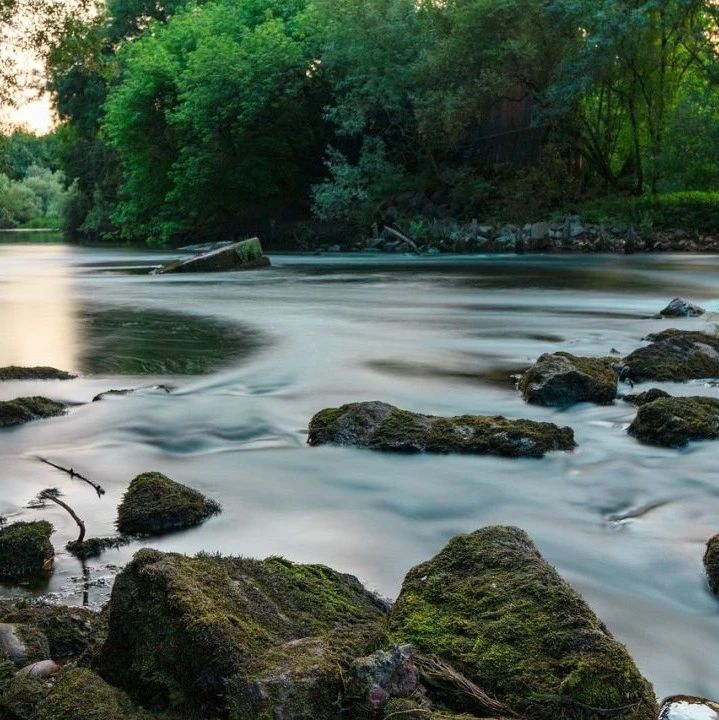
{"x": 249, "y": 357}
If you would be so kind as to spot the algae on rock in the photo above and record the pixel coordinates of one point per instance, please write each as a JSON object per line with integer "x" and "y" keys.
{"x": 15, "y": 372}
{"x": 154, "y": 504}
{"x": 490, "y": 606}
{"x": 675, "y": 421}
{"x": 25, "y": 409}
{"x": 561, "y": 379}
{"x": 711, "y": 564}
{"x": 210, "y": 633}
{"x": 25, "y": 548}
{"x": 380, "y": 426}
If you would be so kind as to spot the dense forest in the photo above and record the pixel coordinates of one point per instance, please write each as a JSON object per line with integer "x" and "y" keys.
{"x": 204, "y": 120}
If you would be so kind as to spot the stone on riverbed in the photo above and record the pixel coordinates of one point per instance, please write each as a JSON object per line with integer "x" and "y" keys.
{"x": 252, "y": 639}
{"x": 561, "y": 379}
{"x": 490, "y": 606}
{"x": 14, "y": 372}
{"x": 25, "y": 549}
{"x": 679, "y": 307}
{"x": 675, "y": 421}
{"x": 25, "y": 409}
{"x": 154, "y": 504}
{"x": 645, "y": 397}
{"x": 244, "y": 255}
{"x": 380, "y": 426}
{"x": 674, "y": 355}
{"x": 687, "y": 707}
{"x": 711, "y": 564}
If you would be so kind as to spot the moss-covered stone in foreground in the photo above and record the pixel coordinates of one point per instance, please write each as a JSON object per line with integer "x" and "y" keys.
{"x": 15, "y": 372}
{"x": 561, "y": 379}
{"x": 25, "y": 548}
{"x": 674, "y": 355}
{"x": 711, "y": 564}
{"x": 494, "y": 609}
{"x": 217, "y": 635}
{"x": 154, "y": 504}
{"x": 380, "y": 426}
{"x": 675, "y": 421}
{"x": 25, "y": 409}
{"x": 79, "y": 694}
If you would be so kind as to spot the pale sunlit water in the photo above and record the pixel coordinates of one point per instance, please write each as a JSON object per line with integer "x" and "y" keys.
{"x": 253, "y": 355}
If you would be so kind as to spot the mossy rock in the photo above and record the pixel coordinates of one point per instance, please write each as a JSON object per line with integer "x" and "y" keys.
{"x": 23, "y": 643}
{"x": 492, "y": 608}
{"x": 79, "y": 694}
{"x": 675, "y": 421}
{"x": 244, "y": 255}
{"x": 72, "y": 633}
{"x": 25, "y": 549}
{"x": 184, "y": 632}
{"x": 154, "y": 504}
{"x": 380, "y": 426}
{"x": 21, "y": 697}
{"x": 711, "y": 564}
{"x": 14, "y": 372}
{"x": 561, "y": 379}
{"x": 643, "y": 398}
{"x": 94, "y": 547}
{"x": 674, "y": 355}
{"x": 25, "y": 409}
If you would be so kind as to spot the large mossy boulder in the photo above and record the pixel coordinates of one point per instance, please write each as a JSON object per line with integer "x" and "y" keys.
{"x": 380, "y": 426}
{"x": 492, "y": 608}
{"x": 15, "y": 372}
{"x": 561, "y": 379}
{"x": 154, "y": 504}
{"x": 711, "y": 564}
{"x": 252, "y": 639}
{"x": 676, "y": 421}
{"x": 25, "y": 409}
{"x": 674, "y": 355}
{"x": 244, "y": 255}
{"x": 25, "y": 549}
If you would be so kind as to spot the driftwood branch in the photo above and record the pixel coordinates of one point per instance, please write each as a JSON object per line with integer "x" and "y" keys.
{"x": 73, "y": 474}
{"x": 53, "y": 495}
{"x": 403, "y": 237}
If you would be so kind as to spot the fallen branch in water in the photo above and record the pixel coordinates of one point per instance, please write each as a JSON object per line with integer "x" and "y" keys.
{"x": 53, "y": 495}
{"x": 401, "y": 236}
{"x": 71, "y": 472}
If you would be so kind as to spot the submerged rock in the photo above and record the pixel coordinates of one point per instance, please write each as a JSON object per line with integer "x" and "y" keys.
{"x": 255, "y": 639}
{"x": 244, "y": 255}
{"x": 645, "y": 397}
{"x": 687, "y": 707}
{"x": 25, "y": 549}
{"x": 25, "y": 409}
{"x": 492, "y": 608}
{"x": 94, "y": 547}
{"x": 674, "y": 355}
{"x": 154, "y": 504}
{"x": 14, "y": 372}
{"x": 380, "y": 426}
{"x": 561, "y": 379}
{"x": 711, "y": 564}
{"x": 679, "y": 307}
{"x": 675, "y": 421}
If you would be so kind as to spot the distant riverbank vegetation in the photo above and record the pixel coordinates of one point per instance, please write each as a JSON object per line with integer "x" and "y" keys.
{"x": 186, "y": 121}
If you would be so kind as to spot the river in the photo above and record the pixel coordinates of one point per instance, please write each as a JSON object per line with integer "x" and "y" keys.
{"x": 251, "y": 356}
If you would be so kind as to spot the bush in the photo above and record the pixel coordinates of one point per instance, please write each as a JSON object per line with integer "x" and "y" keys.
{"x": 694, "y": 211}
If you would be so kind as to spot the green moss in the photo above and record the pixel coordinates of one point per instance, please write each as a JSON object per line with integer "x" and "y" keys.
{"x": 79, "y": 694}
{"x": 36, "y": 643}
{"x": 154, "y": 504}
{"x": 21, "y": 697}
{"x": 25, "y": 409}
{"x": 561, "y": 379}
{"x": 180, "y": 627}
{"x": 25, "y": 548}
{"x": 675, "y": 421}
{"x": 675, "y": 355}
{"x": 711, "y": 564}
{"x": 13, "y": 372}
{"x": 94, "y": 547}
{"x": 383, "y": 427}
{"x": 490, "y": 606}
